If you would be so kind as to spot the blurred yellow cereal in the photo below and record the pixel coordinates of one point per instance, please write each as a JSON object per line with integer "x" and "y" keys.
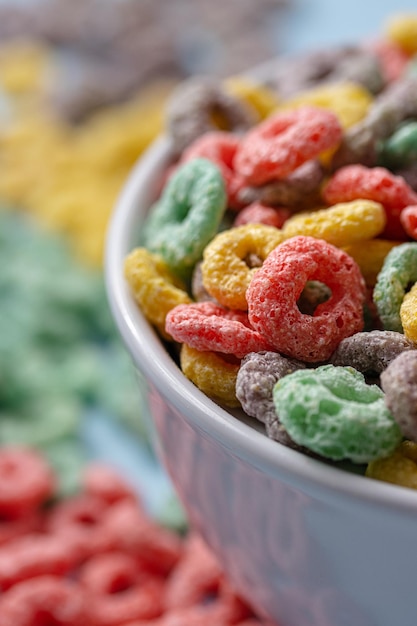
{"x": 399, "y": 468}
{"x": 349, "y": 101}
{"x": 68, "y": 176}
{"x": 370, "y": 257}
{"x": 402, "y": 30}
{"x": 341, "y": 224}
{"x": 232, "y": 257}
{"x": 23, "y": 66}
{"x": 262, "y": 99}
{"x": 408, "y": 314}
{"x": 153, "y": 286}
{"x": 212, "y": 374}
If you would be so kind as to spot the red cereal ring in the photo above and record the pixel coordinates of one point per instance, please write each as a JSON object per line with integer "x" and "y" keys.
{"x": 279, "y": 145}
{"x": 276, "y": 287}
{"x": 44, "y": 601}
{"x": 119, "y": 591}
{"x": 103, "y": 482}
{"x": 198, "y": 575}
{"x": 408, "y": 219}
{"x": 258, "y": 213}
{"x": 219, "y": 147}
{"x": 26, "y": 482}
{"x": 352, "y": 182}
{"x": 31, "y": 556}
{"x": 12, "y": 529}
{"x": 79, "y": 521}
{"x": 155, "y": 548}
{"x": 209, "y": 326}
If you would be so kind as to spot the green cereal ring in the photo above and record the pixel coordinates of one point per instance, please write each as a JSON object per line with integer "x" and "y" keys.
{"x": 397, "y": 273}
{"x": 187, "y": 216}
{"x": 400, "y": 150}
{"x": 41, "y": 423}
{"x": 333, "y": 412}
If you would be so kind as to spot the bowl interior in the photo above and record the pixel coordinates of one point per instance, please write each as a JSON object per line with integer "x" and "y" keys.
{"x": 242, "y": 437}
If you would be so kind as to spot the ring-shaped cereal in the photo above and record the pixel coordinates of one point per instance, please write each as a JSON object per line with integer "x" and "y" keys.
{"x": 231, "y": 259}
{"x": 333, "y": 412}
{"x": 399, "y": 468}
{"x": 398, "y": 272}
{"x": 211, "y": 373}
{"x": 187, "y": 216}
{"x": 219, "y": 147}
{"x": 399, "y": 383}
{"x": 370, "y": 352}
{"x": 341, "y": 224}
{"x": 283, "y": 142}
{"x": 207, "y": 326}
{"x": 400, "y": 150}
{"x": 408, "y": 314}
{"x": 200, "y": 105}
{"x": 353, "y": 182}
{"x": 276, "y": 287}
{"x": 119, "y": 591}
{"x": 45, "y": 600}
{"x": 153, "y": 286}
{"x": 370, "y": 257}
{"x": 350, "y": 101}
{"x": 26, "y": 482}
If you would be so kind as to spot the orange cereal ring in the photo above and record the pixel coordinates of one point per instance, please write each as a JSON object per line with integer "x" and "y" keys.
{"x": 280, "y": 144}
{"x": 154, "y": 287}
{"x": 211, "y": 373}
{"x": 231, "y": 259}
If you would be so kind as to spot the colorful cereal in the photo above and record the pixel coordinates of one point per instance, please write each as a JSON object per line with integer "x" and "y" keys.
{"x": 275, "y": 288}
{"x": 279, "y": 145}
{"x": 187, "y": 216}
{"x": 332, "y": 411}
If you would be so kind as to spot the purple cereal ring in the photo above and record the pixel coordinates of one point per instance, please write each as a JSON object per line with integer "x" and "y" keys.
{"x": 399, "y": 383}
{"x": 258, "y": 373}
{"x": 371, "y": 352}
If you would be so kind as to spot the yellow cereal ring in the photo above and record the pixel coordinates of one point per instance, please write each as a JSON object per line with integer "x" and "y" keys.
{"x": 408, "y": 314}
{"x": 262, "y": 99}
{"x": 211, "y": 373}
{"x": 399, "y": 468}
{"x": 349, "y": 101}
{"x": 154, "y": 288}
{"x": 341, "y": 224}
{"x": 232, "y": 257}
{"x": 370, "y": 257}
{"x": 402, "y": 30}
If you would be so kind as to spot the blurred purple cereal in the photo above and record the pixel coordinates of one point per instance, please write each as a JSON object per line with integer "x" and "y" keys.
{"x": 301, "y": 189}
{"x": 396, "y": 103}
{"x": 195, "y": 106}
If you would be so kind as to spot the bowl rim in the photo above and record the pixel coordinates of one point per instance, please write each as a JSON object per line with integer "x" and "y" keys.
{"x": 213, "y": 421}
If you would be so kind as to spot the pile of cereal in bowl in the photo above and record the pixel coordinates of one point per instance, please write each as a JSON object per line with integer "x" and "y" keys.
{"x": 281, "y": 255}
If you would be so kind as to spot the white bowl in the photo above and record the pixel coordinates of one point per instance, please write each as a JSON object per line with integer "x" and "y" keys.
{"x": 305, "y": 542}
